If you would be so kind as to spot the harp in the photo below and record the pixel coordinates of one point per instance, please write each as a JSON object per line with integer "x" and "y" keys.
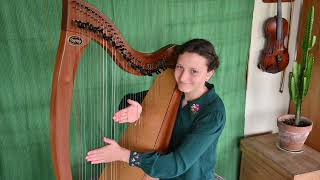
{"x": 82, "y": 23}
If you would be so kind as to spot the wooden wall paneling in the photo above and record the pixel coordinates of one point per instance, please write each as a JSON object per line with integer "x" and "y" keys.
{"x": 311, "y": 103}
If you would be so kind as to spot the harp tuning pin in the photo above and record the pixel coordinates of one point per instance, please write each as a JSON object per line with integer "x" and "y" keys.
{"x": 104, "y": 36}
{"x": 96, "y": 29}
{"x": 90, "y": 27}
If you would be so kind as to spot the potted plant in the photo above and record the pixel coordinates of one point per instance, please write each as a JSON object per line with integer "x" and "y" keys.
{"x": 294, "y": 129}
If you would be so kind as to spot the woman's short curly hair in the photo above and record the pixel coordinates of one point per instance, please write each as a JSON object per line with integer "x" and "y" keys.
{"x": 204, "y": 48}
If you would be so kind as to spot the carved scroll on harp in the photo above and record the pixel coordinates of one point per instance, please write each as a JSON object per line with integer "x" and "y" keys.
{"x": 82, "y": 23}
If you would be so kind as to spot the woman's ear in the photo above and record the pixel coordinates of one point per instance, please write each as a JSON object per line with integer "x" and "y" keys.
{"x": 209, "y": 74}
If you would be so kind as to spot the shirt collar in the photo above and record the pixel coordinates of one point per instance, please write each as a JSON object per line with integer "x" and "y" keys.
{"x": 203, "y": 100}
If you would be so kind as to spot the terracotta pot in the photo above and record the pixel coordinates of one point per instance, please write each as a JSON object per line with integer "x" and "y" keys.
{"x": 292, "y": 138}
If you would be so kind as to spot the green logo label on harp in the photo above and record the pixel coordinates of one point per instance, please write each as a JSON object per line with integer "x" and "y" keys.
{"x": 75, "y": 40}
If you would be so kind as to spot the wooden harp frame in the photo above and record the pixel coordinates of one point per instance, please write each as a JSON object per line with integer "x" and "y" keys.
{"x": 81, "y": 23}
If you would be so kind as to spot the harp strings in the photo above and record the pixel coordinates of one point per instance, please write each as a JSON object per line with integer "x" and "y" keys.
{"x": 104, "y": 97}
{"x": 93, "y": 107}
{"x": 98, "y": 104}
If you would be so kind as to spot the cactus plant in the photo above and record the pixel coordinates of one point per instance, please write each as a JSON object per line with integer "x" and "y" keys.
{"x": 300, "y": 77}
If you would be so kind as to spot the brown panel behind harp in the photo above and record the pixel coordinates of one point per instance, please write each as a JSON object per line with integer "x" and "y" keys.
{"x": 82, "y": 23}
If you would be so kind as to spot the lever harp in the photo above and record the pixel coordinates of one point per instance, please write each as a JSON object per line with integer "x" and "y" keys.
{"x": 82, "y": 23}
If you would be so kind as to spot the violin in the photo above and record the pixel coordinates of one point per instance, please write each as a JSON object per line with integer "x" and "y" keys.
{"x": 275, "y": 57}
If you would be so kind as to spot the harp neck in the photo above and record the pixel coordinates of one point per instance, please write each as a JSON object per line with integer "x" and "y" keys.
{"x": 82, "y": 18}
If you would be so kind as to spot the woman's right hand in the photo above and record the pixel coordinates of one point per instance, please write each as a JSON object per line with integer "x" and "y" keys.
{"x": 129, "y": 114}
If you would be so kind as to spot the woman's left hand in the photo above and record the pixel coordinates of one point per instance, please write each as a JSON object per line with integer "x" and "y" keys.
{"x": 109, "y": 153}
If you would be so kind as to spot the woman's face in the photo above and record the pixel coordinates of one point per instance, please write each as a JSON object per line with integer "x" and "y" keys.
{"x": 191, "y": 72}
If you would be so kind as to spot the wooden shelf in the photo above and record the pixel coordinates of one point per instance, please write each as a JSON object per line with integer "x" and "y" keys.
{"x": 262, "y": 160}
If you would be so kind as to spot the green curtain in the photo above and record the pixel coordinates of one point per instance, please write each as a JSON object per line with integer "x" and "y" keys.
{"x": 28, "y": 43}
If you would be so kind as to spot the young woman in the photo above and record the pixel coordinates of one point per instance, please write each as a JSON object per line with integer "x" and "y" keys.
{"x": 200, "y": 121}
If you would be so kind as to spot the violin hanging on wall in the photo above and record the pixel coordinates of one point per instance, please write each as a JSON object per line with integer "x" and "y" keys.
{"x": 275, "y": 57}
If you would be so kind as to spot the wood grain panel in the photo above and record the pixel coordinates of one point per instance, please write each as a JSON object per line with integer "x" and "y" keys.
{"x": 261, "y": 159}
{"x": 311, "y": 103}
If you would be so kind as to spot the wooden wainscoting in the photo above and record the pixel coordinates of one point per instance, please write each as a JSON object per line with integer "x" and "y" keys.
{"x": 311, "y": 103}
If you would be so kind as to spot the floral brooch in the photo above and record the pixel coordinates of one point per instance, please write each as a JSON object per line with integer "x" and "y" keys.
{"x": 195, "y": 108}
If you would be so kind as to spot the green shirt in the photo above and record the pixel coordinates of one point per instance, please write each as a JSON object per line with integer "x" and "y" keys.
{"x": 192, "y": 153}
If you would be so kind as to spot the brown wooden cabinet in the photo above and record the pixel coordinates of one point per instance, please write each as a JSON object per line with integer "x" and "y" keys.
{"x": 262, "y": 160}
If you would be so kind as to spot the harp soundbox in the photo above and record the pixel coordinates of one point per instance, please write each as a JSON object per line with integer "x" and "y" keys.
{"x": 82, "y": 23}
